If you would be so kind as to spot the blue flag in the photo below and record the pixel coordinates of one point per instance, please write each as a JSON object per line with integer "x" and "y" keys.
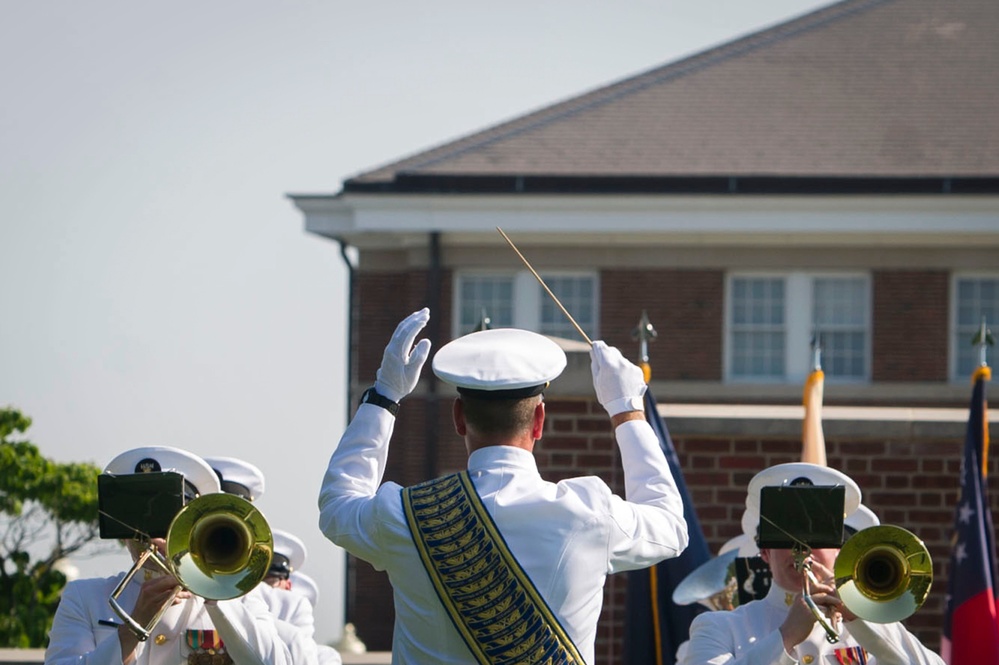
{"x": 971, "y": 624}
{"x": 654, "y": 625}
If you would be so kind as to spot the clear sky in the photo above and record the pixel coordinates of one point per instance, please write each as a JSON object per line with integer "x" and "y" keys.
{"x": 156, "y": 286}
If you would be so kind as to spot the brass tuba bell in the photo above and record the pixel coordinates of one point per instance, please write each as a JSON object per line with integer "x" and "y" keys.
{"x": 219, "y": 546}
{"x": 883, "y": 573}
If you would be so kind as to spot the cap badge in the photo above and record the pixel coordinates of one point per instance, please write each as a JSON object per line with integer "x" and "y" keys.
{"x": 147, "y": 465}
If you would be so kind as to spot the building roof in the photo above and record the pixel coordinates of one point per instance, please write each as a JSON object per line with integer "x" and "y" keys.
{"x": 896, "y": 91}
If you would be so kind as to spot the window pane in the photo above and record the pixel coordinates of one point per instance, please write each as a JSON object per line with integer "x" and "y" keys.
{"x": 843, "y": 354}
{"x": 491, "y": 296}
{"x": 757, "y": 341}
{"x": 976, "y": 298}
{"x": 576, "y": 293}
{"x": 839, "y": 318}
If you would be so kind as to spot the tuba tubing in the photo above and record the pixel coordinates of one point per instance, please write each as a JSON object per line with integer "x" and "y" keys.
{"x": 219, "y": 547}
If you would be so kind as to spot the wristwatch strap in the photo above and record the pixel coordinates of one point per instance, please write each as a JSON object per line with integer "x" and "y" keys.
{"x": 371, "y": 396}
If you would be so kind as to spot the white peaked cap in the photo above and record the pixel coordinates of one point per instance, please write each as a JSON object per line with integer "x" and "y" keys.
{"x": 744, "y": 543}
{"x": 305, "y": 585}
{"x": 240, "y": 472}
{"x": 502, "y": 359}
{"x": 860, "y": 519}
{"x": 783, "y": 475}
{"x": 290, "y": 547}
{"x": 164, "y": 458}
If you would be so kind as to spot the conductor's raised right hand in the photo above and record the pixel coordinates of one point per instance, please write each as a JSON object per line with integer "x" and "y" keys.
{"x": 402, "y": 362}
{"x": 620, "y": 384}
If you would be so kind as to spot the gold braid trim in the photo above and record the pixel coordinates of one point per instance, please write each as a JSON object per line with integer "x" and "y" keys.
{"x": 491, "y": 601}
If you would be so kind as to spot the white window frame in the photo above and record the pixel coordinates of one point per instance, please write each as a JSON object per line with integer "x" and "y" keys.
{"x": 952, "y": 341}
{"x": 527, "y": 297}
{"x": 798, "y": 326}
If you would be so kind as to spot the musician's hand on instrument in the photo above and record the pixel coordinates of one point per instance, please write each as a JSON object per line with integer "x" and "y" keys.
{"x": 797, "y": 624}
{"x": 154, "y": 595}
{"x": 619, "y": 384}
{"x": 402, "y": 361}
{"x": 825, "y": 594}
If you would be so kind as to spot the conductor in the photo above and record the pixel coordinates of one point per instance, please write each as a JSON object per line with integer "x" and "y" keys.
{"x": 495, "y": 564}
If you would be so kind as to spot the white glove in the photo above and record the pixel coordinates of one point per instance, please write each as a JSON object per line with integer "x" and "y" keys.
{"x": 620, "y": 384}
{"x": 402, "y": 362}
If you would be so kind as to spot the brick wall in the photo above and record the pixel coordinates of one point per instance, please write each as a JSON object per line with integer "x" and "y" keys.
{"x": 687, "y": 308}
{"x": 910, "y": 324}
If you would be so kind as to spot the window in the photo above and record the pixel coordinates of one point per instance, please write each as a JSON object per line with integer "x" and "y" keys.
{"x": 974, "y": 297}
{"x": 839, "y": 318}
{"x": 517, "y": 300}
{"x": 758, "y": 327}
{"x": 772, "y": 319}
{"x": 485, "y": 296}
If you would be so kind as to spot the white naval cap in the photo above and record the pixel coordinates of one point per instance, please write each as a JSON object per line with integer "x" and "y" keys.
{"x": 152, "y": 459}
{"x": 744, "y": 544}
{"x": 800, "y": 473}
{"x": 860, "y": 519}
{"x": 238, "y": 477}
{"x": 289, "y": 554}
{"x": 305, "y": 585}
{"x": 500, "y": 363}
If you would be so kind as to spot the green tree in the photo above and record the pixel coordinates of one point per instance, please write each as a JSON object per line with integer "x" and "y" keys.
{"x": 48, "y": 510}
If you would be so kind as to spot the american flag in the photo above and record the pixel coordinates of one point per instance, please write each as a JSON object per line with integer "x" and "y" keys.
{"x": 971, "y": 622}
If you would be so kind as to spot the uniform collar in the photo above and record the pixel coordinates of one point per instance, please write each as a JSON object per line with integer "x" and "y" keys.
{"x": 780, "y": 596}
{"x": 491, "y": 457}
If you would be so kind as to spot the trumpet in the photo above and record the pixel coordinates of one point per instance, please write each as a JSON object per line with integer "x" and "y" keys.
{"x": 219, "y": 547}
{"x": 882, "y": 574}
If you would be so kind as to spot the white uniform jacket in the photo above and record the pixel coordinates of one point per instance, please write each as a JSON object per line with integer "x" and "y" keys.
{"x": 567, "y": 536}
{"x": 750, "y": 635}
{"x": 293, "y": 608}
{"x": 84, "y": 630}
{"x": 294, "y": 612}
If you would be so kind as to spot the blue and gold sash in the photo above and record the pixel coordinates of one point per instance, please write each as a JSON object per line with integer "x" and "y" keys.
{"x": 490, "y": 599}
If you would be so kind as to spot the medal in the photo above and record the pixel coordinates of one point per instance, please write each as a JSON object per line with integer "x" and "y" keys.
{"x": 206, "y": 648}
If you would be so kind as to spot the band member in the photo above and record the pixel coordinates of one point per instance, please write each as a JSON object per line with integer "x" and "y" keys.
{"x": 192, "y": 630}
{"x": 495, "y": 564}
{"x": 781, "y": 628}
{"x": 243, "y": 479}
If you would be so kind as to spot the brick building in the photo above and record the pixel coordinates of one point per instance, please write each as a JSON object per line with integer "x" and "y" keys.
{"x": 835, "y": 175}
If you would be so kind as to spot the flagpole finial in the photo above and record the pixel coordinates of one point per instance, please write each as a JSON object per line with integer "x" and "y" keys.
{"x": 485, "y": 323}
{"x": 644, "y": 333}
{"x": 983, "y": 339}
{"x": 816, "y": 351}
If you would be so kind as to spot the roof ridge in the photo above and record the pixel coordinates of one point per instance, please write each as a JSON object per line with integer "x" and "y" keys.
{"x": 615, "y": 91}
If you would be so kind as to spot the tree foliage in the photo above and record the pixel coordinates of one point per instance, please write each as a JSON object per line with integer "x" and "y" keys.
{"x": 48, "y": 510}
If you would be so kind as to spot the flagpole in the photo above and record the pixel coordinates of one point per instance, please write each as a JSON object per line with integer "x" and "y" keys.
{"x": 813, "y": 441}
{"x": 983, "y": 339}
{"x": 644, "y": 333}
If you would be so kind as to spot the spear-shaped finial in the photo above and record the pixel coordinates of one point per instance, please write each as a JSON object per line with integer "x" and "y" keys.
{"x": 485, "y": 323}
{"x": 816, "y": 351}
{"x": 644, "y": 333}
{"x": 983, "y": 339}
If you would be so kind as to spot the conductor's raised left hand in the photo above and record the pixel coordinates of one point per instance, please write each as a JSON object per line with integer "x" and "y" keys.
{"x": 402, "y": 361}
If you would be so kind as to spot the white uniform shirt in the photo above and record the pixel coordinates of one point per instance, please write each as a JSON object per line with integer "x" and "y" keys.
{"x": 245, "y": 625}
{"x": 750, "y": 635}
{"x": 567, "y": 536}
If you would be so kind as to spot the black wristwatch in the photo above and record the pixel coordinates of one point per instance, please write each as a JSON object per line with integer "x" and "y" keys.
{"x": 372, "y": 396}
